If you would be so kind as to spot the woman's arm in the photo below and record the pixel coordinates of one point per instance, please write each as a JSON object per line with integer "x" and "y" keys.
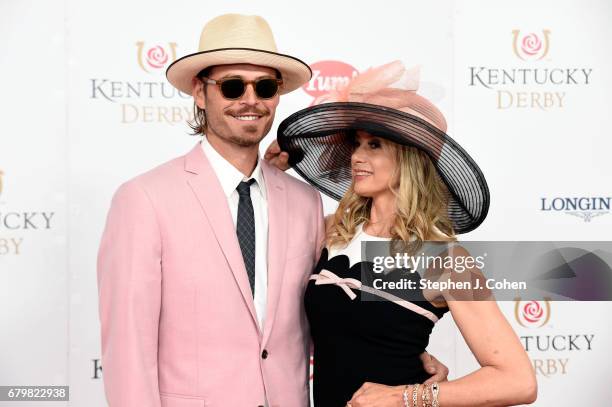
{"x": 506, "y": 376}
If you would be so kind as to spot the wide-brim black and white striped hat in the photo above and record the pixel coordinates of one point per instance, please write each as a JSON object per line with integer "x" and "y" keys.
{"x": 320, "y": 152}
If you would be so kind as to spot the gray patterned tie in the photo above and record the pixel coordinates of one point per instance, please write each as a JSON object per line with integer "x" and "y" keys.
{"x": 245, "y": 229}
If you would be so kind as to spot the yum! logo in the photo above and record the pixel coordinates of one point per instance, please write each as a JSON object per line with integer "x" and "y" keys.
{"x": 328, "y": 76}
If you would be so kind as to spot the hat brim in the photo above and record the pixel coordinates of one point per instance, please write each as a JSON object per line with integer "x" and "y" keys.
{"x": 294, "y": 72}
{"x": 318, "y": 150}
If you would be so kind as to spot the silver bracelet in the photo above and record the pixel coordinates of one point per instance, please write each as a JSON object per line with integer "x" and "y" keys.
{"x": 435, "y": 389}
{"x": 406, "y": 403}
{"x": 415, "y": 395}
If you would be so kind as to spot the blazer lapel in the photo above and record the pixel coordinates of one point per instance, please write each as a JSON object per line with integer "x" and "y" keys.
{"x": 277, "y": 241}
{"x": 213, "y": 201}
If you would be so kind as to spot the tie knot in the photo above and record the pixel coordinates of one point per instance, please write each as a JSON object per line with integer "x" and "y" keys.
{"x": 244, "y": 188}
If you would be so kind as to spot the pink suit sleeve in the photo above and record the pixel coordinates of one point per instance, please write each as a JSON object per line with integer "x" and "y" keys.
{"x": 129, "y": 289}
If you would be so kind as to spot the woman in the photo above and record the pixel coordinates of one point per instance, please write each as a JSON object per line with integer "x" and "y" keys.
{"x": 381, "y": 149}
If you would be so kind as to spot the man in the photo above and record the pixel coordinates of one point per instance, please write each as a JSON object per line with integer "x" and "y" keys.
{"x": 204, "y": 260}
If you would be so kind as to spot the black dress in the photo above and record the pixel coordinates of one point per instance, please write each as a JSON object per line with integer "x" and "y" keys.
{"x": 356, "y": 340}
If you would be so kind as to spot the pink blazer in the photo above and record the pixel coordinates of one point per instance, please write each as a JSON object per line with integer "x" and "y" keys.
{"x": 178, "y": 323}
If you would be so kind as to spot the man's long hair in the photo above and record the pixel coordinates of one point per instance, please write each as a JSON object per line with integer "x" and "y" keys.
{"x": 198, "y": 122}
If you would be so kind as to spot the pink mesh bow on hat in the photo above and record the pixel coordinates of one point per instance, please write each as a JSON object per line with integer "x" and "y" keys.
{"x": 390, "y": 85}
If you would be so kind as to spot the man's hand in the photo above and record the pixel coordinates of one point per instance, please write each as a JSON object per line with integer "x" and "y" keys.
{"x": 434, "y": 367}
{"x": 379, "y": 395}
{"x": 276, "y": 157}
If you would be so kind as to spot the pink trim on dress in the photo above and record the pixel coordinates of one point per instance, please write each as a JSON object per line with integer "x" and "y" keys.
{"x": 327, "y": 277}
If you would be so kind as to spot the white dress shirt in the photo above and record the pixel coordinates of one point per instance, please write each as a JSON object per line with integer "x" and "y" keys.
{"x": 229, "y": 178}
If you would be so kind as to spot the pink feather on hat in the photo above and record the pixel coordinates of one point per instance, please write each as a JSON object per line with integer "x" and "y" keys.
{"x": 390, "y": 85}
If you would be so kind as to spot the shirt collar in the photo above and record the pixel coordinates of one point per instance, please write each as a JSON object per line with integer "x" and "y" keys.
{"x": 228, "y": 175}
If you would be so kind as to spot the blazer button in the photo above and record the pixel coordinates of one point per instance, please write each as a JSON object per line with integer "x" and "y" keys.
{"x": 264, "y": 354}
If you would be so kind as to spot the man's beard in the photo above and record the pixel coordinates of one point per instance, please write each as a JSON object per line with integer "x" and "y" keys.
{"x": 246, "y": 142}
{"x": 240, "y": 140}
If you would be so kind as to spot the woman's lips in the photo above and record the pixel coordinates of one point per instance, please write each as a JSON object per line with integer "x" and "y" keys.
{"x": 359, "y": 175}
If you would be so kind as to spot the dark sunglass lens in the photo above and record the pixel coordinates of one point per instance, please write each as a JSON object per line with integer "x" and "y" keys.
{"x": 232, "y": 88}
{"x": 266, "y": 88}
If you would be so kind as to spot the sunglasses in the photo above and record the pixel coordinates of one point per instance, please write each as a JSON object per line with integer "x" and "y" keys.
{"x": 234, "y": 87}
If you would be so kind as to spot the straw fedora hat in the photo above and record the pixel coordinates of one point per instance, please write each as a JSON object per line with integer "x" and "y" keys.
{"x": 238, "y": 39}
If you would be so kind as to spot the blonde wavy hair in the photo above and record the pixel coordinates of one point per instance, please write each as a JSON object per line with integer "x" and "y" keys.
{"x": 421, "y": 203}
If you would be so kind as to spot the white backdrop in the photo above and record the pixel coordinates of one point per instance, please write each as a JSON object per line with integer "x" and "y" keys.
{"x": 86, "y": 106}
